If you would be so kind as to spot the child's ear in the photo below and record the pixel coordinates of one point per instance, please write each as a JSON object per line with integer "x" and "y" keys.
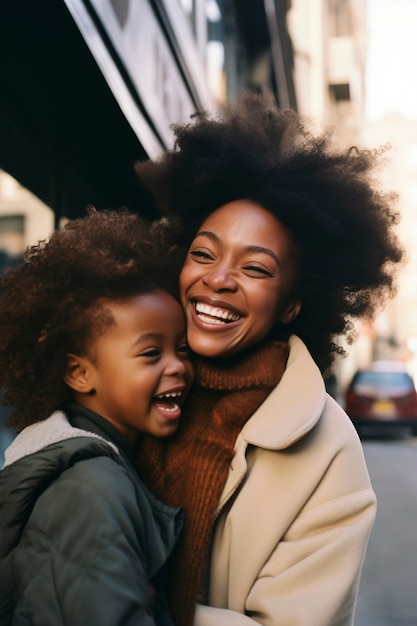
{"x": 291, "y": 312}
{"x": 77, "y": 374}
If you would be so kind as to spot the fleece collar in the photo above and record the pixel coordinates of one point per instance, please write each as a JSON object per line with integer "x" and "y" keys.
{"x": 45, "y": 433}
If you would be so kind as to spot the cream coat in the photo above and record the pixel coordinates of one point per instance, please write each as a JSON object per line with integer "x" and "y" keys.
{"x": 290, "y": 543}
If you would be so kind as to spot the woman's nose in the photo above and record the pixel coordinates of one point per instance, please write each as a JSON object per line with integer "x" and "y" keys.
{"x": 220, "y": 279}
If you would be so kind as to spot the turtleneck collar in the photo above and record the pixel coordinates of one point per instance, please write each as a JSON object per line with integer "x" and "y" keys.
{"x": 257, "y": 369}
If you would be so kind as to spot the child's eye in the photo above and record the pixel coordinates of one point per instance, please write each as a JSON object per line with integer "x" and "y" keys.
{"x": 185, "y": 349}
{"x": 151, "y": 353}
{"x": 201, "y": 254}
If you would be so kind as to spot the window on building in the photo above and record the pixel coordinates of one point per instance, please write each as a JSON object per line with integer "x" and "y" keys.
{"x": 24, "y": 220}
{"x": 340, "y": 19}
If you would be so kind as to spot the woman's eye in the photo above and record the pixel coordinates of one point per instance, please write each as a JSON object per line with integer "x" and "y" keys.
{"x": 256, "y": 269}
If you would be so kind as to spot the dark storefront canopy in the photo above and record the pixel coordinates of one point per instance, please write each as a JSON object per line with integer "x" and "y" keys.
{"x": 76, "y": 107}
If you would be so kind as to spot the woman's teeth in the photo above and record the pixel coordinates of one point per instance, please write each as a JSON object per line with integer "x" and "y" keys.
{"x": 215, "y": 315}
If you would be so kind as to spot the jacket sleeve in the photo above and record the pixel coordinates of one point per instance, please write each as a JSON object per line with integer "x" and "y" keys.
{"x": 84, "y": 552}
{"x": 312, "y": 578}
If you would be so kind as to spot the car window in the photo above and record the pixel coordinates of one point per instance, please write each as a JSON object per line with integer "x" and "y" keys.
{"x": 384, "y": 380}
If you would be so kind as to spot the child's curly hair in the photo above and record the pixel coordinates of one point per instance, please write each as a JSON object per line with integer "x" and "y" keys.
{"x": 342, "y": 226}
{"x": 52, "y": 303}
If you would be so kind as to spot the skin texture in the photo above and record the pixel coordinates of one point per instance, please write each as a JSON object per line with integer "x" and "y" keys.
{"x": 237, "y": 280}
{"x": 141, "y": 355}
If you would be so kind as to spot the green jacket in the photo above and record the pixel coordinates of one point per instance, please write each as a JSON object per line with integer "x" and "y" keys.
{"x": 82, "y": 541}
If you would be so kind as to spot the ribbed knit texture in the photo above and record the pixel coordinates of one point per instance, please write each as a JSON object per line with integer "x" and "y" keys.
{"x": 190, "y": 469}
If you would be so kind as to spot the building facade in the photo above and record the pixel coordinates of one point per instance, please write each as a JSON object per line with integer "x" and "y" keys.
{"x": 90, "y": 86}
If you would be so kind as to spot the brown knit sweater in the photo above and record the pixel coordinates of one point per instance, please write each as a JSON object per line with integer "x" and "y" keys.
{"x": 191, "y": 468}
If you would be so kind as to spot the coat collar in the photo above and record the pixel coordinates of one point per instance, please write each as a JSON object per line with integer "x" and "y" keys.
{"x": 293, "y": 407}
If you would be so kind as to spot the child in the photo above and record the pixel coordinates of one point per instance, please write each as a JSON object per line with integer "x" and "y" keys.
{"x": 92, "y": 335}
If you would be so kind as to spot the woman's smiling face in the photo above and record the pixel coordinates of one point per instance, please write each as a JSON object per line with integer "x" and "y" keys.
{"x": 237, "y": 279}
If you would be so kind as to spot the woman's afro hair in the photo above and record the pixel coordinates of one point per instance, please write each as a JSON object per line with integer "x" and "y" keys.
{"x": 342, "y": 226}
{"x": 52, "y": 303}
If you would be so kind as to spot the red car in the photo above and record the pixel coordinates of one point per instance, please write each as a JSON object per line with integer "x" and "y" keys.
{"x": 382, "y": 399}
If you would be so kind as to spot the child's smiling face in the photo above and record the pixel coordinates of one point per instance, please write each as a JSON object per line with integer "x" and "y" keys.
{"x": 139, "y": 371}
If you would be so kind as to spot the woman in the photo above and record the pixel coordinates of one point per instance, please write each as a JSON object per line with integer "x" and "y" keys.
{"x": 290, "y": 242}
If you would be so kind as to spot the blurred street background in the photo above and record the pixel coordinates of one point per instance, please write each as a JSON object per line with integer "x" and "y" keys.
{"x": 87, "y": 87}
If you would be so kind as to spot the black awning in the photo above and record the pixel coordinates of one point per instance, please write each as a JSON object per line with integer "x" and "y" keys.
{"x": 62, "y": 134}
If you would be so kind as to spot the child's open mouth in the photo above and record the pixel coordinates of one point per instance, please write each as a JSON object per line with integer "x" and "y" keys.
{"x": 168, "y": 404}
